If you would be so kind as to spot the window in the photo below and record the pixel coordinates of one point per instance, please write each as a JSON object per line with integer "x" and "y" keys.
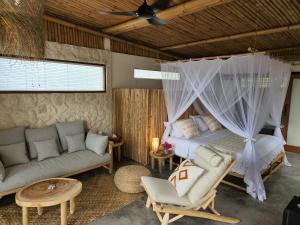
{"x": 157, "y": 75}
{"x": 18, "y": 75}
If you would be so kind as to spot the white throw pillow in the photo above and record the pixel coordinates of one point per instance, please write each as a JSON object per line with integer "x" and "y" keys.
{"x": 185, "y": 176}
{"x": 96, "y": 143}
{"x": 188, "y": 128}
{"x": 176, "y": 132}
{"x": 212, "y": 123}
{"x": 200, "y": 123}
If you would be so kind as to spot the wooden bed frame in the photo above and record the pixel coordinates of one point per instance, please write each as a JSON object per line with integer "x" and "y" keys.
{"x": 107, "y": 165}
{"x": 199, "y": 211}
{"x": 237, "y": 181}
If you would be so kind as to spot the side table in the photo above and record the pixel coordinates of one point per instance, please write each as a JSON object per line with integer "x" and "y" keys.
{"x": 161, "y": 160}
{"x": 117, "y": 145}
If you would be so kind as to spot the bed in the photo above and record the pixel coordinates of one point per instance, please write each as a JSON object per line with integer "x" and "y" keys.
{"x": 270, "y": 154}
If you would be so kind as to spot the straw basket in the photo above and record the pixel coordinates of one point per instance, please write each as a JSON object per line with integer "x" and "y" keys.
{"x": 128, "y": 178}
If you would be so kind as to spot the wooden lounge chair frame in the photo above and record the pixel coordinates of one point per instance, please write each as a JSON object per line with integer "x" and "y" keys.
{"x": 164, "y": 212}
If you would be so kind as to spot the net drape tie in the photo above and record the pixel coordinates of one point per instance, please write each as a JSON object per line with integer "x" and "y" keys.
{"x": 249, "y": 139}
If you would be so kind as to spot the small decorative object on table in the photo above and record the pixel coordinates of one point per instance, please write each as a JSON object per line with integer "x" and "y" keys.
{"x": 291, "y": 215}
{"x": 165, "y": 151}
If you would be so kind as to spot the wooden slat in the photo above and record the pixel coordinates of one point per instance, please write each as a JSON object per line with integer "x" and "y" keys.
{"x": 138, "y": 116}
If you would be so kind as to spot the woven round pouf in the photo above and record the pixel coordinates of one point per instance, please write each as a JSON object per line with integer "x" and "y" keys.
{"x": 128, "y": 178}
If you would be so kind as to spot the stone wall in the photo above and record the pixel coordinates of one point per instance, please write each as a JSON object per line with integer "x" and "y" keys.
{"x": 40, "y": 109}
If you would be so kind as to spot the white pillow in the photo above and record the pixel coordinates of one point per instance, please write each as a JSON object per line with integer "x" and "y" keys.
{"x": 200, "y": 123}
{"x": 209, "y": 155}
{"x": 188, "y": 128}
{"x": 175, "y": 131}
{"x": 96, "y": 143}
{"x": 185, "y": 176}
{"x": 212, "y": 123}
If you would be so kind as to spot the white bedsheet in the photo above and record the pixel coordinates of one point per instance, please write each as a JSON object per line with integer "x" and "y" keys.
{"x": 267, "y": 147}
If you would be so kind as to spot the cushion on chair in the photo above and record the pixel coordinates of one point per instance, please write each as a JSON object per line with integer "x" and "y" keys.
{"x": 13, "y": 154}
{"x": 46, "y": 149}
{"x": 210, "y": 156}
{"x": 212, "y": 123}
{"x": 24, "y": 174}
{"x": 96, "y": 143}
{"x": 76, "y": 142}
{"x": 40, "y": 134}
{"x": 163, "y": 191}
{"x": 12, "y": 136}
{"x": 209, "y": 178}
{"x": 185, "y": 176}
{"x": 68, "y": 129}
{"x": 188, "y": 128}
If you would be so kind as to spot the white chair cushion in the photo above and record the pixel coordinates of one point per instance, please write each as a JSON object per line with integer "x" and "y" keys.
{"x": 162, "y": 191}
{"x": 188, "y": 128}
{"x": 185, "y": 176}
{"x": 212, "y": 123}
{"x": 210, "y": 156}
{"x": 209, "y": 178}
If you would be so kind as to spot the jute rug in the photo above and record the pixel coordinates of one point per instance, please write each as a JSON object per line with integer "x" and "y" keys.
{"x": 98, "y": 198}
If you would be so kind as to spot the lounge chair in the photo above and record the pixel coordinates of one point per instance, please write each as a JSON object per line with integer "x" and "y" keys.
{"x": 169, "y": 207}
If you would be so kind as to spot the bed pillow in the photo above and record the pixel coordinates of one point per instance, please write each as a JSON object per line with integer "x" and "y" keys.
{"x": 212, "y": 123}
{"x": 210, "y": 156}
{"x": 40, "y": 134}
{"x": 96, "y": 143}
{"x": 46, "y": 149}
{"x": 69, "y": 129}
{"x": 2, "y": 172}
{"x": 76, "y": 142}
{"x": 188, "y": 128}
{"x": 13, "y": 154}
{"x": 200, "y": 123}
{"x": 176, "y": 132}
{"x": 185, "y": 176}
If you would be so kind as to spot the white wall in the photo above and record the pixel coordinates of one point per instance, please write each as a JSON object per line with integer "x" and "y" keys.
{"x": 123, "y": 66}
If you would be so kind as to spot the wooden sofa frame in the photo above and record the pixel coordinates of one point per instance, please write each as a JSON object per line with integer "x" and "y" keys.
{"x": 179, "y": 212}
{"x": 107, "y": 165}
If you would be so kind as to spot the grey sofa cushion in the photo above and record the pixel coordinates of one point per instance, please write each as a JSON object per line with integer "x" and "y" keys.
{"x": 12, "y": 136}
{"x": 68, "y": 129}
{"x": 13, "y": 154}
{"x": 40, "y": 134}
{"x": 76, "y": 142}
{"x": 20, "y": 175}
{"x": 2, "y": 172}
{"x": 46, "y": 149}
{"x": 96, "y": 143}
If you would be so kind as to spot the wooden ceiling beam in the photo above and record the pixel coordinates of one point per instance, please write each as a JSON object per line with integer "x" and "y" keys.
{"x": 87, "y": 30}
{"x": 236, "y": 36}
{"x": 180, "y": 10}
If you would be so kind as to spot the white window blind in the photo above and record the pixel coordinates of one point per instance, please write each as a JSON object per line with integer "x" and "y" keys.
{"x": 156, "y": 75}
{"x": 29, "y": 75}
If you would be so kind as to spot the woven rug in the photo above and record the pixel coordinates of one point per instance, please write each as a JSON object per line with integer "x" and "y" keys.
{"x": 98, "y": 198}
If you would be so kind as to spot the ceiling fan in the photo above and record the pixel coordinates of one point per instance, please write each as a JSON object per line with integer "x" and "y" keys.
{"x": 145, "y": 11}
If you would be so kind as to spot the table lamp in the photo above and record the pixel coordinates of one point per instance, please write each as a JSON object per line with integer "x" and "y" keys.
{"x": 155, "y": 144}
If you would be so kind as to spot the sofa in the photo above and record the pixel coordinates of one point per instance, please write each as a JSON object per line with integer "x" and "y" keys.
{"x": 60, "y": 150}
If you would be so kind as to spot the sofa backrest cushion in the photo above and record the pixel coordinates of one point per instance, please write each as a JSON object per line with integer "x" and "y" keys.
{"x": 2, "y": 172}
{"x": 69, "y": 129}
{"x": 13, "y": 154}
{"x": 76, "y": 142}
{"x": 40, "y": 134}
{"x": 12, "y": 136}
{"x": 46, "y": 149}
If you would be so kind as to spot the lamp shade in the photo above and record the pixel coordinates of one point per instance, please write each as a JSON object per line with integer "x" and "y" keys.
{"x": 155, "y": 144}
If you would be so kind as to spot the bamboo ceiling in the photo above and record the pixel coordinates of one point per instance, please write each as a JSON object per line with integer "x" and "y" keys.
{"x": 218, "y": 19}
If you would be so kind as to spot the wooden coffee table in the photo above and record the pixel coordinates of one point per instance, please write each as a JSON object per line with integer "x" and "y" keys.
{"x": 161, "y": 160}
{"x": 39, "y": 195}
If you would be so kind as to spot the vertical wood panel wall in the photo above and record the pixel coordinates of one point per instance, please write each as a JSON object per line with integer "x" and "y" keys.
{"x": 138, "y": 116}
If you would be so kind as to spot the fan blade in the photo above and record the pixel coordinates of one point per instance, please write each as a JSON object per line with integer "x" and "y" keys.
{"x": 133, "y": 13}
{"x": 160, "y": 5}
{"x": 156, "y": 21}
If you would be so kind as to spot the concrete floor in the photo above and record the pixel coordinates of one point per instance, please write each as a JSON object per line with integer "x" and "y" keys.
{"x": 231, "y": 202}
